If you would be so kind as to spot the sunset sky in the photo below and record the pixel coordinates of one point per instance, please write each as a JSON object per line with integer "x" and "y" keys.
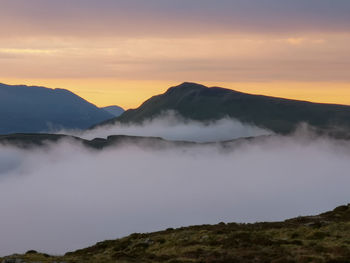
{"x": 124, "y": 51}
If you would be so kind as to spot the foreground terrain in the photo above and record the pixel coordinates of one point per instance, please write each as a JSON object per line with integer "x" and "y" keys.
{"x": 322, "y": 238}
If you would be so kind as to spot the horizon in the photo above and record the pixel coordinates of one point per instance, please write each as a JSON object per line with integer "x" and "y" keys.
{"x": 251, "y": 91}
{"x": 123, "y": 52}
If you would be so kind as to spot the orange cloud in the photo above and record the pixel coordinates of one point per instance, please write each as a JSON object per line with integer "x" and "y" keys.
{"x": 122, "y": 52}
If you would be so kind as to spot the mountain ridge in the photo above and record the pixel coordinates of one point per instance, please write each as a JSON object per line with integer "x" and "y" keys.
{"x": 114, "y": 110}
{"x": 28, "y": 109}
{"x": 198, "y": 102}
{"x": 35, "y": 140}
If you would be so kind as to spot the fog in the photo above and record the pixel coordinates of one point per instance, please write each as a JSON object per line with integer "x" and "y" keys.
{"x": 65, "y": 196}
{"x": 171, "y": 126}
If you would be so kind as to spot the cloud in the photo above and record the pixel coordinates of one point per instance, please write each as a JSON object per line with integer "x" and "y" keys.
{"x": 241, "y": 58}
{"x": 65, "y": 196}
{"x": 25, "y": 51}
{"x": 165, "y": 40}
{"x": 171, "y": 126}
{"x": 295, "y": 41}
{"x": 167, "y": 17}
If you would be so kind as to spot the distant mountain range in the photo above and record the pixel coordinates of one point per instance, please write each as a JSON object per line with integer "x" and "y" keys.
{"x": 199, "y": 102}
{"x": 116, "y": 111}
{"x": 28, "y": 109}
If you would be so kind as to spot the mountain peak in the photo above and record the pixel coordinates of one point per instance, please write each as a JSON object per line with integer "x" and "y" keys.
{"x": 28, "y": 109}
{"x": 191, "y": 85}
{"x": 114, "y": 110}
{"x": 187, "y": 86}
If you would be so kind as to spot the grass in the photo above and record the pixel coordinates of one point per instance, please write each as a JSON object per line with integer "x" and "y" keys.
{"x": 324, "y": 238}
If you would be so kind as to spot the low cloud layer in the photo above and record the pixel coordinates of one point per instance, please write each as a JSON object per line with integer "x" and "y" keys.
{"x": 65, "y": 196}
{"x": 171, "y": 126}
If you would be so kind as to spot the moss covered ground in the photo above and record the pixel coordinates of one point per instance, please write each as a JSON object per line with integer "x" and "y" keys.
{"x": 322, "y": 238}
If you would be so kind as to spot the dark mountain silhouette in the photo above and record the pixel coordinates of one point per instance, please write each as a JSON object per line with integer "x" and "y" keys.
{"x": 25, "y": 109}
{"x": 280, "y": 115}
{"x": 114, "y": 110}
{"x": 35, "y": 140}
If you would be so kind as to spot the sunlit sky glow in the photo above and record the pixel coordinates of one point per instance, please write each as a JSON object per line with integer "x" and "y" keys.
{"x": 124, "y": 51}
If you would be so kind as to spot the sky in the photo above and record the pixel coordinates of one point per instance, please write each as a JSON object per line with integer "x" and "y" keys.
{"x": 124, "y": 51}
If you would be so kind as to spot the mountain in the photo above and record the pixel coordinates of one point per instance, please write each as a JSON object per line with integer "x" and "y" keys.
{"x": 199, "y": 102}
{"x": 114, "y": 110}
{"x": 26, "y": 109}
{"x": 323, "y": 238}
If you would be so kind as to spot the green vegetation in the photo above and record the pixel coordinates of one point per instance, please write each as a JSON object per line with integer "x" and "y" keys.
{"x": 322, "y": 238}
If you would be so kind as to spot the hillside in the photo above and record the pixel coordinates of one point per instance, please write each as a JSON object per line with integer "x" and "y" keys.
{"x": 28, "y": 109}
{"x": 198, "y": 102}
{"x": 323, "y": 238}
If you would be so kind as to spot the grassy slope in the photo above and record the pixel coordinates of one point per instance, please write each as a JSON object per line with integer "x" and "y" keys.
{"x": 323, "y": 238}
